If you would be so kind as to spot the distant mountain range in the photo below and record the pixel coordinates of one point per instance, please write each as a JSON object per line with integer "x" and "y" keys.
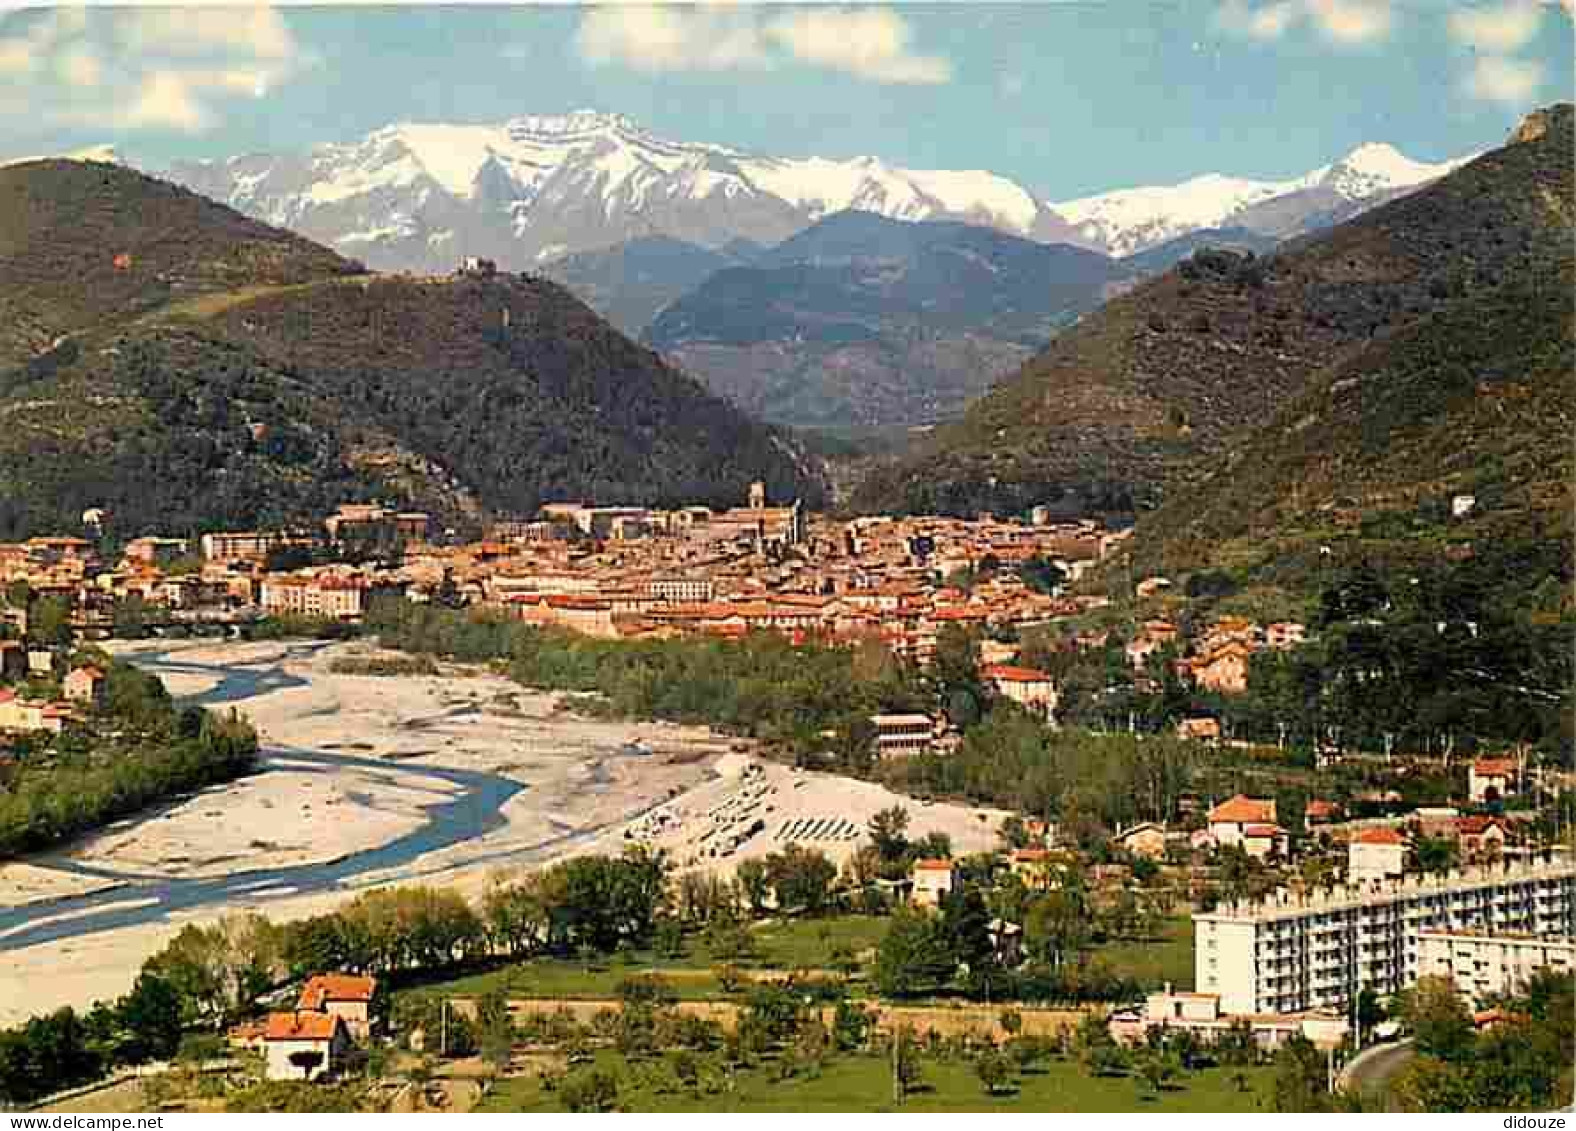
{"x": 1129, "y": 221}
{"x": 418, "y": 196}
{"x": 185, "y": 367}
{"x": 863, "y": 321}
{"x": 1145, "y": 397}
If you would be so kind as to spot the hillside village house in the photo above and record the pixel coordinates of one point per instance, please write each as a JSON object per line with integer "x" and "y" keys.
{"x": 303, "y": 1045}
{"x": 1031, "y": 689}
{"x": 1283, "y": 635}
{"x": 1375, "y": 854}
{"x": 1200, "y": 728}
{"x": 1230, "y": 820}
{"x": 1223, "y": 669}
{"x": 1200, "y": 1014}
{"x": 933, "y": 882}
{"x": 18, "y": 714}
{"x": 1146, "y": 839}
{"x": 247, "y": 545}
{"x": 1491, "y": 779}
{"x": 1151, "y": 636}
{"x": 327, "y": 595}
{"x": 85, "y": 685}
{"x": 1032, "y": 866}
{"x": 346, "y": 996}
{"x": 1480, "y": 838}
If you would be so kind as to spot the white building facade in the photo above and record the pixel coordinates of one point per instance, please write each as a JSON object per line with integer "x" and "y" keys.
{"x": 1296, "y": 952}
{"x": 1483, "y": 963}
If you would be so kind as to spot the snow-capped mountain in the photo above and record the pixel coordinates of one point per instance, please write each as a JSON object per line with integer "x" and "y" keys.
{"x": 415, "y": 196}
{"x": 535, "y": 188}
{"x": 1128, "y": 221}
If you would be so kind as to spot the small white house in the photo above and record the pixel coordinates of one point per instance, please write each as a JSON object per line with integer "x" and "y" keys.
{"x": 1375, "y": 854}
{"x": 303, "y": 1045}
{"x": 933, "y": 882}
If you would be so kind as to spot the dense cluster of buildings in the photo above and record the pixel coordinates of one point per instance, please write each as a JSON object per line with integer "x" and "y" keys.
{"x": 610, "y": 571}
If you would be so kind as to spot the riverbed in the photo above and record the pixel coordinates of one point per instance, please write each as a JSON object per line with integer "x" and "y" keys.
{"x": 363, "y": 781}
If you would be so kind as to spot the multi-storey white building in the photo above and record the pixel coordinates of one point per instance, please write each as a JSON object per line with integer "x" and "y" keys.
{"x": 1485, "y": 963}
{"x": 1301, "y": 951}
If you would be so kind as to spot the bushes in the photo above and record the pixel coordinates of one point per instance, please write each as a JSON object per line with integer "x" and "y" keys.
{"x": 77, "y": 784}
{"x": 762, "y": 686}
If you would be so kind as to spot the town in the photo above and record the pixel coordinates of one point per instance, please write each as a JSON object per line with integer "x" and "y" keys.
{"x": 1312, "y": 913}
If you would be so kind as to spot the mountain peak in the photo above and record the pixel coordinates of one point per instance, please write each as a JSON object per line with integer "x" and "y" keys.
{"x": 1376, "y": 167}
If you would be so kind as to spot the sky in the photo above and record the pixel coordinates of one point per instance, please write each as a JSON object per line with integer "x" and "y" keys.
{"x": 1068, "y": 98}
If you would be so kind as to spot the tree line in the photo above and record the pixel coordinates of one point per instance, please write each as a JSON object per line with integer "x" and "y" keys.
{"x": 138, "y": 749}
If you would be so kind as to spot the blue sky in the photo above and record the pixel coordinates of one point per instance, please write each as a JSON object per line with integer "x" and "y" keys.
{"x": 1069, "y": 98}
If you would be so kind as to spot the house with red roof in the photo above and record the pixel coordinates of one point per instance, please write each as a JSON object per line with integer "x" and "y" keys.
{"x": 346, "y": 996}
{"x": 303, "y": 1044}
{"x": 1230, "y": 820}
{"x": 933, "y": 882}
{"x": 1030, "y": 688}
{"x": 1492, "y": 779}
{"x": 85, "y": 685}
{"x": 1375, "y": 854}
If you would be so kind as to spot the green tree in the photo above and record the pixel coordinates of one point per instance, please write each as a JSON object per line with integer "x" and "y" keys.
{"x": 1441, "y": 1024}
{"x": 755, "y": 883}
{"x": 913, "y": 958}
{"x": 993, "y": 1070}
{"x": 801, "y": 878}
{"x": 1300, "y": 1077}
{"x": 150, "y": 1016}
{"x": 593, "y": 1090}
{"x": 889, "y": 833}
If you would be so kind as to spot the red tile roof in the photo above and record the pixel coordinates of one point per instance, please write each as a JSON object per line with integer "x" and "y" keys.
{"x": 1243, "y": 810}
{"x": 305, "y": 1026}
{"x": 323, "y": 988}
{"x": 1494, "y": 767}
{"x": 1378, "y": 836}
{"x": 1009, "y": 673}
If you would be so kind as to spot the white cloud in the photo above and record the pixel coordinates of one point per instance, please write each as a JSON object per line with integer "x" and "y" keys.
{"x": 1351, "y": 22}
{"x": 1511, "y": 82}
{"x": 165, "y": 100}
{"x": 1499, "y": 30}
{"x": 870, "y": 43}
{"x": 1346, "y": 23}
{"x": 661, "y": 38}
{"x": 1264, "y": 22}
{"x": 255, "y": 31}
{"x": 79, "y": 66}
{"x": 168, "y": 69}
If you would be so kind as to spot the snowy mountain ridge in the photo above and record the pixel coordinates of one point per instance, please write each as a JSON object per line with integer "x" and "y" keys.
{"x": 417, "y": 196}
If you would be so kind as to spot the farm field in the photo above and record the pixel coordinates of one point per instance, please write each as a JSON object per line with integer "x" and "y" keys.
{"x": 864, "y": 1083}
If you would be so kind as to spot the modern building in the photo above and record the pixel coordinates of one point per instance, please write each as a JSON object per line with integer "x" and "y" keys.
{"x": 1294, "y": 951}
{"x": 898, "y": 735}
{"x": 1483, "y": 964}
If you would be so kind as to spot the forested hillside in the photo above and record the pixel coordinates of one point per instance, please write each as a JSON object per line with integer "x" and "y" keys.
{"x": 1144, "y": 393}
{"x": 263, "y": 393}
